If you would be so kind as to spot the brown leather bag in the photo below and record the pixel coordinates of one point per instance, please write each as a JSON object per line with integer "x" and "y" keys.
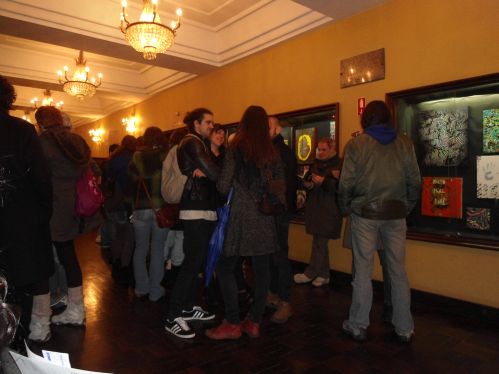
{"x": 167, "y": 216}
{"x": 270, "y": 203}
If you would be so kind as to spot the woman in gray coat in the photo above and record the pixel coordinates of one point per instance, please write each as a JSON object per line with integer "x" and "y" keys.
{"x": 250, "y": 163}
{"x": 68, "y": 155}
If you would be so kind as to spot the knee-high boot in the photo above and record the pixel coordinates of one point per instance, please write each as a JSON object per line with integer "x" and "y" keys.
{"x": 40, "y": 319}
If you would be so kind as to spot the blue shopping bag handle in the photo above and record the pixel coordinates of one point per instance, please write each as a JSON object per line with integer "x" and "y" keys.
{"x": 229, "y": 197}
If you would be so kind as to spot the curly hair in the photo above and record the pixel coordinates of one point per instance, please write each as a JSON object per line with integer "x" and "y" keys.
{"x": 196, "y": 115}
{"x": 7, "y": 94}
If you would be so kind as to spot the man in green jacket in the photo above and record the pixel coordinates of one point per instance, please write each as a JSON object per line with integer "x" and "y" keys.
{"x": 379, "y": 186}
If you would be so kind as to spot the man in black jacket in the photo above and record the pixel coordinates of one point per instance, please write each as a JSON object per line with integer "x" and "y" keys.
{"x": 281, "y": 278}
{"x": 198, "y": 214}
{"x": 25, "y": 209}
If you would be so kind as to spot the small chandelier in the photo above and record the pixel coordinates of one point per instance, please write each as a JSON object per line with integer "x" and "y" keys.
{"x": 46, "y": 101}
{"x": 97, "y": 135}
{"x": 79, "y": 85}
{"x": 148, "y": 35}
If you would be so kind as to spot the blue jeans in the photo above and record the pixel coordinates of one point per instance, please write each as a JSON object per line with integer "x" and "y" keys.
{"x": 174, "y": 247}
{"x": 364, "y": 238}
{"x": 148, "y": 233}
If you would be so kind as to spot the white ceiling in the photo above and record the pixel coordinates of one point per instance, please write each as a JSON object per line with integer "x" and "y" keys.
{"x": 37, "y": 38}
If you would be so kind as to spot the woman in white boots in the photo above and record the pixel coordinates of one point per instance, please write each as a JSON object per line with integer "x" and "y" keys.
{"x": 68, "y": 155}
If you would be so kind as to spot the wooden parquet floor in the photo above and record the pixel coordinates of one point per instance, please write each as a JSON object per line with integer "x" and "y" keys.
{"x": 126, "y": 335}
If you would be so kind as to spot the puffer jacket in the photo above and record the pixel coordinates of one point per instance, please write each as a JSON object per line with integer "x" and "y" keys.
{"x": 379, "y": 181}
{"x": 199, "y": 193}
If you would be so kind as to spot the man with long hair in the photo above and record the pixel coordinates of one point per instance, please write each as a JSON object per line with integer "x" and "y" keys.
{"x": 198, "y": 214}
{"x": 281, "y": 278}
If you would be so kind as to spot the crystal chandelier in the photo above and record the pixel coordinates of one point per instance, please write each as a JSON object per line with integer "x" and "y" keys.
{"x": 148, "y": 35}
{"x": 46, "y": 101}
{"x": 78, "y": 84}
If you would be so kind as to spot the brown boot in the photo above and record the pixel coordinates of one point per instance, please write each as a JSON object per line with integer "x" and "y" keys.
{"x": 272, "y": 300}
{"x": 283, "y": 312}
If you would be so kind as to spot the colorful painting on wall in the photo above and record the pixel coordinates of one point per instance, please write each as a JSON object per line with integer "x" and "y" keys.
{"x": 305, "y": 145}
{"x": 442, "y": 197}
{"x": 478, "y": 218}
{"x": 444, "y": 136}
{"x": 491, "y": 130}
{"x": 487, "y": 177}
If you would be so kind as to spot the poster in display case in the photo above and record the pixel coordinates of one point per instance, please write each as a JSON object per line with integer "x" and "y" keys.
{"x": 442, "y": 197}
{"x": 491, "y": 130}
{"x": 454, "y": 127}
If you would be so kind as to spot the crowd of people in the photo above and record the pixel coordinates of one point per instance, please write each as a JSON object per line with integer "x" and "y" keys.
{"x": 191, "y": 172}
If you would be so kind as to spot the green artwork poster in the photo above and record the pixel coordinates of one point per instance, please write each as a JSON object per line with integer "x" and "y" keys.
{"x": 491, "y": 130}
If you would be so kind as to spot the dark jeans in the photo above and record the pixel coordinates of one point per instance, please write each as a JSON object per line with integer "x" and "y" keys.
{"x": 280, "y": 268}
{"x": 197, "y": 234}
{"x": 228, "y": 286}
{"x": 67, "y": 258}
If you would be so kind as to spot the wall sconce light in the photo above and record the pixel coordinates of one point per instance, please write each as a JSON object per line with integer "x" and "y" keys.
{"x": 131, "y": 124}
{"x": 97, "y": 135}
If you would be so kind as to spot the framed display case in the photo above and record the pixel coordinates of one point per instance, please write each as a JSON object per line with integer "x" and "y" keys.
{"x": 302, "y": 129}
{"x": 455, "y": 130}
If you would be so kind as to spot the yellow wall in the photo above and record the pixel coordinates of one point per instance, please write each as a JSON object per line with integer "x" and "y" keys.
{"x": 425, "y": 41}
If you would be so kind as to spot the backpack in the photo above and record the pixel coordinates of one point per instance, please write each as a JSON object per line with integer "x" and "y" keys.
{"x": 172, "y": 179}
{"x": 89, "y": 197}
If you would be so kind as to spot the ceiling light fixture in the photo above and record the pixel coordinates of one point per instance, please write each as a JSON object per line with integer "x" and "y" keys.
{"x": 46, "y": 101}
{"x": 149, "y": 35}
{"x": 79, "y": 85}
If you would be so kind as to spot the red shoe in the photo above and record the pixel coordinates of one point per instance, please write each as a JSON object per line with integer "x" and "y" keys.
{"x": 225, "y": 331}
{"x": 251, "y": 328}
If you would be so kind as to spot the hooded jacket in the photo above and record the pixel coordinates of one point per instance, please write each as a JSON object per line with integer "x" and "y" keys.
{"x": 380, "y": 177}
{"x": 68, "y": 156}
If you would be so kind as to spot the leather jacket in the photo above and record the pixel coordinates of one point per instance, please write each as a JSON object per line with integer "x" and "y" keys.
{"x": 379, "y": 181}
{"x": 199, "y": 193}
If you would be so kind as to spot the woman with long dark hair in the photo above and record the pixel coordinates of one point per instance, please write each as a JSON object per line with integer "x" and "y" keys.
{"x": 249, "y": 164}
{"x": 145, "y": 172}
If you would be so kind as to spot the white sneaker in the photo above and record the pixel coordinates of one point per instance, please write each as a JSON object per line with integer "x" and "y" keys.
{"x": 301, "y": 278}
{"x": 73, "y": 315}
{"x": 179, "y": 328}
{"x": 319, "y": 282}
